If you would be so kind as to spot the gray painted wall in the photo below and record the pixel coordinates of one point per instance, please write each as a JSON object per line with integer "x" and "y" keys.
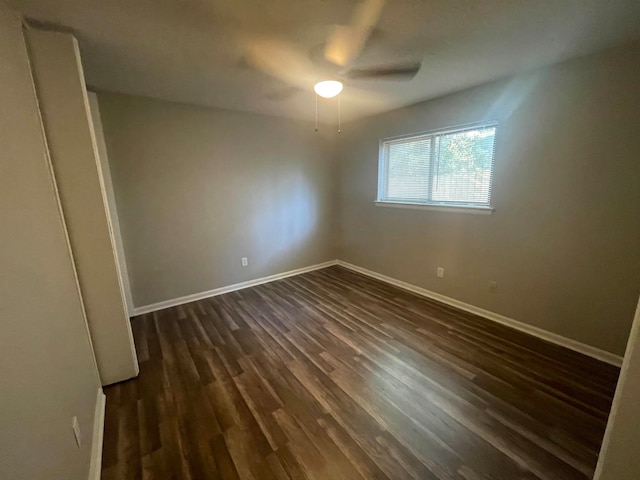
{"x": 564, "y": 241}
{"x": 199, "y": 188}
{"x": 47, "y": 371}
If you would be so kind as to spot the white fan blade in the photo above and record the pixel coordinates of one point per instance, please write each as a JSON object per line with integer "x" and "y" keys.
{"x": 347, "y": 41}
{"x": 280, "y": 60}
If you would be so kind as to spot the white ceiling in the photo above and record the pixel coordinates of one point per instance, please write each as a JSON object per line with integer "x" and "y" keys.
{"x": 195, "y": 51}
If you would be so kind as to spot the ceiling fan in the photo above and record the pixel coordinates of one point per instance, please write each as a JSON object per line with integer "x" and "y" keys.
{"x": 330, "y": 62}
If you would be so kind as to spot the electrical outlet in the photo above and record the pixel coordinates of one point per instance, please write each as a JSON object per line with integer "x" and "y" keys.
{"x": 440, "y": 272}
{"x": 493, "y": 287}
{"x": 76, "y": 431}
{"x": 245, "y": 261}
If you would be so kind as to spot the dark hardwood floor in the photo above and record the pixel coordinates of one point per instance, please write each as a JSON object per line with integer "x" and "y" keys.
{"x": 333, "y": 375}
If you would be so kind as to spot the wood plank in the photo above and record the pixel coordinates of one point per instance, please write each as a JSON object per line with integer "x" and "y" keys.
{"x": 334, "y": 375}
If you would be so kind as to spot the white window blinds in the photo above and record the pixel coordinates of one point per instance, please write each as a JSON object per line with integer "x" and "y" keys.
{"x": 448, "y": 167}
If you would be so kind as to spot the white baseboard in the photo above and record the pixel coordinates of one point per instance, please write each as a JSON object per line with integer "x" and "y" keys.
{"x": 583, "y": 348}
{"x": 98, "y": 435}
{"x": 229, "y": 288}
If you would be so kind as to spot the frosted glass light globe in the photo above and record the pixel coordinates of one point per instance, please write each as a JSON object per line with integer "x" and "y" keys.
{"x": 328, "y": 88}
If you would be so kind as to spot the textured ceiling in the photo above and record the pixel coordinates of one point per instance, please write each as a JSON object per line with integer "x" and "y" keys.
{"x": 195, "y": 51}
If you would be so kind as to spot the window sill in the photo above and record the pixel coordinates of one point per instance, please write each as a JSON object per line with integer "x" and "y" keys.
{"x": 442, "y": 208}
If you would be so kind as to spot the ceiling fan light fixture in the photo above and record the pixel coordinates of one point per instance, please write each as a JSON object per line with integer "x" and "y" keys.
{"x": 328, "y": 88}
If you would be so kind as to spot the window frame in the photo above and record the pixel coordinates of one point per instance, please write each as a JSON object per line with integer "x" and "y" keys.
{"x": 460, "y": 207}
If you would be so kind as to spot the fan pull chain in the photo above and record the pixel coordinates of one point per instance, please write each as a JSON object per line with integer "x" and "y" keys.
{"x": 316, "y": 112}
{"x": 339, "y": 129}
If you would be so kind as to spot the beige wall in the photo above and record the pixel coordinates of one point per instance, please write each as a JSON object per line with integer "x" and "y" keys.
{"x": 564, "y": 241}
{"x": 47, "y": 371}
{"x": 619, "y": 459}
{"x": 199, "y": 188}
{"x": 63, "y": 101}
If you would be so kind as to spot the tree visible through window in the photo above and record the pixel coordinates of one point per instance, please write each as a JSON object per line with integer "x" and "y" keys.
{"x": 449, "y": 167}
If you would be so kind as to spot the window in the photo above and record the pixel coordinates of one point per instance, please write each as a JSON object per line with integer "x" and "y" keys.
{"x": 452, "y": 167}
